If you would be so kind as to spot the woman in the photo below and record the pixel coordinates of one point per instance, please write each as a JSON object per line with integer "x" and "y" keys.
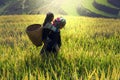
{"x": 51, "y": 36}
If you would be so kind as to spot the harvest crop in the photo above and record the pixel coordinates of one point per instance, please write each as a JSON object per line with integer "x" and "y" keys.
{"x": 90, "y": 50}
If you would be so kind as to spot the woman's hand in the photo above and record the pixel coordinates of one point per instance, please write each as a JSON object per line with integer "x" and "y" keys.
{"x": 57, "y": 48}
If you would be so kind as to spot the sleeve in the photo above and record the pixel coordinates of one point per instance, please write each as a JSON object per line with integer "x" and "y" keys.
{"x": 59, "y": 40}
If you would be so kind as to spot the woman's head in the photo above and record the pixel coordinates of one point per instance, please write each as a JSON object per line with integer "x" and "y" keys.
{"x": 62, "y": 22}
{"x": 59, "y": 22}
{"x": 49, "y": 18}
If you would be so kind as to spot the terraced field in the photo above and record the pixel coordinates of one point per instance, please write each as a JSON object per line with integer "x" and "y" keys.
{"x": 101, "y": 8}
{"x": 106, "y": 3}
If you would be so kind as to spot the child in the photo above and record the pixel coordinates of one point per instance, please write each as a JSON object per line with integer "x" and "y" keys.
{"x": 47, "y": 23}
{"x": 49, "y": 18}
{"x": 52, "y": 41}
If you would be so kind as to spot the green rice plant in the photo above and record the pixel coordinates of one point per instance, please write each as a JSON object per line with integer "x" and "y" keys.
{"x": 90, "y": 50}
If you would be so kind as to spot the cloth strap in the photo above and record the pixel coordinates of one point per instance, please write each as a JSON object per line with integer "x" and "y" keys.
{"x": 51, "y": 27}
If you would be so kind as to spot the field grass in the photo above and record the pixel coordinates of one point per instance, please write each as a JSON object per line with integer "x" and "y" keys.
{"x": 90, "y": 50}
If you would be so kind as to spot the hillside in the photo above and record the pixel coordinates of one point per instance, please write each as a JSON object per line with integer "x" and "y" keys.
{"x": 100, "y": 8}
{"x": 37, "y": 7}
{"x": 20, "y": 6}
{"x": 91, "y": 8}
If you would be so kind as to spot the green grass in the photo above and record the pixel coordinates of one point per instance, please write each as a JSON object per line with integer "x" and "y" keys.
{"x": 88, "y": 5}
{"x": 90, "y": 50}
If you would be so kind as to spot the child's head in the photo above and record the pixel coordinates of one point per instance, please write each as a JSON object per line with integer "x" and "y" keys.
{"x": 59, "y": 22}
{"x": 49, "y": 18}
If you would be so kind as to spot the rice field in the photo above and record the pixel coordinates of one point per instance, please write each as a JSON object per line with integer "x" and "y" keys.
{"x": 89, "y": 5}
{"x": 106, "y": 3}
{"x": 90, "y": 50}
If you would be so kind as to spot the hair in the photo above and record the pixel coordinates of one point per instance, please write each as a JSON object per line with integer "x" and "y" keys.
{"x": 49, "y": 18}
{"x": 59, "y": 22}
{"x": 63, "y": 22}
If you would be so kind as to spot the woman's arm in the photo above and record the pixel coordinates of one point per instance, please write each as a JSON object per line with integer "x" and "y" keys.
{"x": 57, "y": 48}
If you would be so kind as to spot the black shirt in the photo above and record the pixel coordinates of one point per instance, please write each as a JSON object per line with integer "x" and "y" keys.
{"x": 51, "y": 39}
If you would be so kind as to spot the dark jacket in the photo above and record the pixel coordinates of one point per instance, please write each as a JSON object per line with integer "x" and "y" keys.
{"x": 51, "y": 39}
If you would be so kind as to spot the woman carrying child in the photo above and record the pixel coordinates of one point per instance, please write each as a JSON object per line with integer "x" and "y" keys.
{"x": 51, "y": 34}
